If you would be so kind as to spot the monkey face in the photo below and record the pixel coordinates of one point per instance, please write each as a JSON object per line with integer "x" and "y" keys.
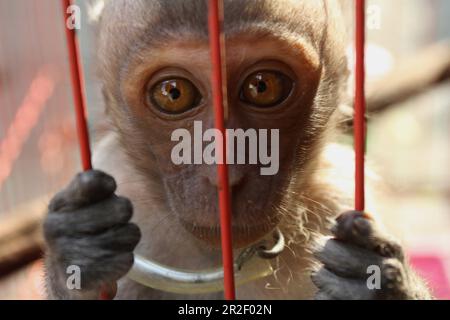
{"x": 273, "y": 77}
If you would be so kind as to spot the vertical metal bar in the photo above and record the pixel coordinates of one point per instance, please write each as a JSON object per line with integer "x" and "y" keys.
{"x": 214, "y": 21}
{"x": 78, "y": 90}
{"x": 360, "y": 105}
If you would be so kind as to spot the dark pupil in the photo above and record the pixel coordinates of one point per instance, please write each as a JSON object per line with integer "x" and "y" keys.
{"x": 174, "y": 93}
{"x": 262, "y": 87}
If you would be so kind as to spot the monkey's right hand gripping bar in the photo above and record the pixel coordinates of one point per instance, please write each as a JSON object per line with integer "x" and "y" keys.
{"x": 251, "y": 264}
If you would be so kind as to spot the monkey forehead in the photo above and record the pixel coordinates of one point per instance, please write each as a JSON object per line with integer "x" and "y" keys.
{"x": 160, "y": 16}
{"x": 127, "y": 27}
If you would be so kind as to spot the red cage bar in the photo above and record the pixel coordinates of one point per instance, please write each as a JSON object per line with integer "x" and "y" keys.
{"x": 214, "y": 20}
{"x": 360, "y": 105}
{"x": 79, "y": 96}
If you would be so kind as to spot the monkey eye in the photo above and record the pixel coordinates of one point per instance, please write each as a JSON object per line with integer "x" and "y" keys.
{"x": 266, "y": 89}
{"x": 175, "y": 95}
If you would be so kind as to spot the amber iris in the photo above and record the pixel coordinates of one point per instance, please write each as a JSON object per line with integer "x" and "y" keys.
{"x": 266, "y": 88}
{"x": 174, "y": 96}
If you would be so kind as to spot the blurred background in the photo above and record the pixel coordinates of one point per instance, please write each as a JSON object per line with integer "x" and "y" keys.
{"x": 408, "y": 66}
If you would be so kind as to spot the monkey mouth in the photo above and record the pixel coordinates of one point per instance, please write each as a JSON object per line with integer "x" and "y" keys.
{"x": 242, "y": 235}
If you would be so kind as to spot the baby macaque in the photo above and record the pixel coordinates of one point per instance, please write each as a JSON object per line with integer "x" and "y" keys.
{"x": 286, "y": 70}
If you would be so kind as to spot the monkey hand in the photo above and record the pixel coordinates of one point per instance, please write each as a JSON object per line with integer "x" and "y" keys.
{"x": 89, "y": 238}
{"x": 362, "y": 263}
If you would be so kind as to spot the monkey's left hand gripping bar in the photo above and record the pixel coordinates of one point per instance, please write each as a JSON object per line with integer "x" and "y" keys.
{"x": 80, "y": 108}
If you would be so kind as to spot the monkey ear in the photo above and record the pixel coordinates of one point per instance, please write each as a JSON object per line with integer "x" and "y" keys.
{"x": 95, "y": 9}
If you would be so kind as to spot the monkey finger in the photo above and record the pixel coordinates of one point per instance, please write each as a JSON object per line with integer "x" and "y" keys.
{"x": 119, "y": 239}
{"x": 361, "y": 230}
{"x": 86, "y": 188}
{"x": 393, "y": 281}
{"x": 90, "y": 220}
{"x": 345, "y": 259}
{"x": 97, "y": 249}
{"x": 95, "y": 273}
{"x": 338, "y": 288}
